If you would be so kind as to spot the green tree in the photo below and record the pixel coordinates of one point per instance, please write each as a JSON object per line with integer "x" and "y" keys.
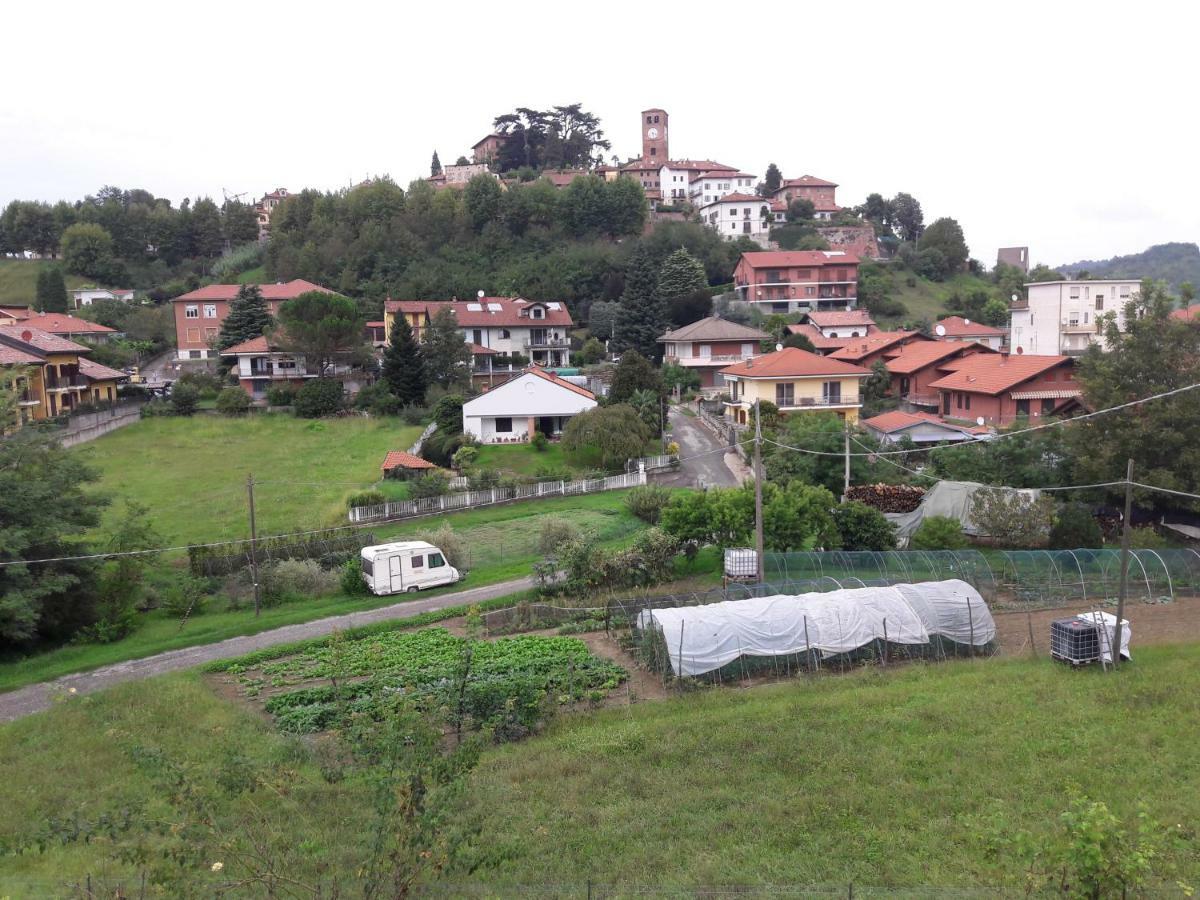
{"x": 87, "y": 249}
{"x": 799, "y": 341}
{"x": 482, "y": 198}
{"x": 208, "y": 238}
{"x": 46, "y": 506}
{"x": 602, "y": 319}
{"x": 907, "y": 217}
{"x": 239, "y": 223}
{"x": 681, "y": 275}
{"x": 995, "y": 312}
{"x": 1075, "y": 527}
{"x": 1042, "y": 272}
{"x": 447, "y": 356}
{"x": 185, "y": 398}
{"x": 319, "y": 397}
{"x": 607, "y": 436}
{"x": 51, "y": 290}
{"x": 248, "y": 318}
{"x": 938, "y": 533}
{"x": 634, "y": 373}
{"x": 1187, "y": 294}
{"x": 946, "y": 235}
{"x": 797, "y": 516}
{"x": 878, "y": 210}
{"x": 1013, "y": 519}
{"x": 877, "y": 385}
{"x": 404, "y": 365}
{"x": 233, "y": 401}
{"x": 772, "y": 181}
{"x": 591, "y": 352}
{"x": 120, "y": 582}
{"x": 643, "y": 314}
{"x": 435, "y": 166}
{"x": 320, "y": 325}
{"x": 801, "y": 210}
{"x": 863, "y": 527}
{"x": 823, "y": 432}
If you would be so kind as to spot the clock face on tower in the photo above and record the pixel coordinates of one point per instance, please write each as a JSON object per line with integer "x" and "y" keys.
{"x": 652, "y": 133}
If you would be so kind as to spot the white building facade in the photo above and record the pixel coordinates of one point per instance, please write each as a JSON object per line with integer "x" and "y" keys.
{"x": 741, "y": 215}
{"x": 533, "y": 401}
{"x": 1061, "y": 317}
{"x": 88, "y": 296}
{"x": 709, "y": 187}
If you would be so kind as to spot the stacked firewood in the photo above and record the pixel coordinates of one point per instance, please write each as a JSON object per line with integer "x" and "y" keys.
{"x": 888, "y": 498}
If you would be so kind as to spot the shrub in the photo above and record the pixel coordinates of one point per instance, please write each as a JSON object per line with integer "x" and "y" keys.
{"x": 647, "y": 502}
{"x": 378, "y": 400}
{"x": 207, "y": 384}
{"x": 318, "y": 398}
{"x": 434, "y": 484}
{"x": 553, "y": 473}
{"x": 365, "y": 498}
{"x": 281, "y": 395}
{"x": 290, "y": 578}
{"x": 539, "y": 442}
{"x": 1012, "y": 519}
{"x": 446, "y": 539}
{"x": 556, "y": 532}
{"x": 1075, "y": 527}
{"x": 1144, "y": 537}
{"x": 863, "y": 527}
{"x": 186, "y": 596}
{"x": 938, "y": 533}
{"x": 184, "y": 399}
{"x": 415, "y": 415}
{"x": 483, "y": 479}
{"x": 350, "y": 576}
{"x": 157, "y": 407}
{"x": 233, "y": 401}
{"x": 464, "y": 457}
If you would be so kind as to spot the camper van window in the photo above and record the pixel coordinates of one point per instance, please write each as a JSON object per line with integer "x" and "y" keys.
{"x": 436, "y": 561}
{"x": 418, "y": 562}
{"x": 368, "y": 567}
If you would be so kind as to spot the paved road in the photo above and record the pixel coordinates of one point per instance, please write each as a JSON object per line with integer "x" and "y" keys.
{"x": 37, "y": 697}
{"x": 710, "y": 470}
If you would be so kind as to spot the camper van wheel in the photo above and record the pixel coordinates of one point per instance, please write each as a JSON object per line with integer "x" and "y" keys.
{"x": 413, "y": 589}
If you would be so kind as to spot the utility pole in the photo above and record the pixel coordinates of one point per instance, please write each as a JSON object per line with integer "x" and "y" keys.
{"x": 1125, "y": 535}
{"x": 846, "y": 484}
{"x": 254, "y": 548}
{"x": 758, "y": 478}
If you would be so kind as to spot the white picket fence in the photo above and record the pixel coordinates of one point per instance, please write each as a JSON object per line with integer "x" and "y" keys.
{"x": 431, "y": 506}
{"x": 652, "y": 463}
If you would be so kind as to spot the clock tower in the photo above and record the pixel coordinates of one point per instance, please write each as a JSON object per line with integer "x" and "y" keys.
{"x": 654, "y": 135}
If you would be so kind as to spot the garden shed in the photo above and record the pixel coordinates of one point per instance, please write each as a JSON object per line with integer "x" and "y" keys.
{"x": 399, "y": 464}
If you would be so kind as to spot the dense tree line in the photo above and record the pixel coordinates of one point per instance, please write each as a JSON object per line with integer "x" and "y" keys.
{"x": 563, "y": 137}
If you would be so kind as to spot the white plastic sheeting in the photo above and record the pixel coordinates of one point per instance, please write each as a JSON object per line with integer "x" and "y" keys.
{"x": 952, "y": 499}
{"x": 1108, "y": 622}
{"x": 701, "y": 639}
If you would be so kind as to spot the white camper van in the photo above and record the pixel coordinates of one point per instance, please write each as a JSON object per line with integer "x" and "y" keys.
{"x": 406, "y": 566}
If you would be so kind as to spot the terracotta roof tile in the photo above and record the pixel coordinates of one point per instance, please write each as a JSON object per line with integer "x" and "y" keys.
{"x": 60, "y": 323}
{"x": 917, "y": 355}
{"x": 874, "y": 343}
{"x": 1187, "y": 314}
{"x": 897, "y": 420}
{"x": 807, "y": 181}
{"x": 995, "y": 373}
{"x": 42, "y": 340}
{"x": 792, "y": 362}
{"x": 254, "y": 345}
{"x": 11, "y": 356}
{"x": 507, "y": 316}
{"x": 819, "y": 340}
{"x": 837, "y": 317}
{"x": 957, "y": 326}
{"x": 778, "y": 259}
{"x": 96, "y": 372}
{"x": 286, "y": 291}
{"x": 561, "y": 382}
{"x": 398, "y": 459}
{"x": 714, "y": 328}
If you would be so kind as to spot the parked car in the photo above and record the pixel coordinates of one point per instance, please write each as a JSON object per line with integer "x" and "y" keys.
{"x": 406, "y": 566}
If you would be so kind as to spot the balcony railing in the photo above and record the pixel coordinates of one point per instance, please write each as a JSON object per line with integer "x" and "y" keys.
{"x": 921, "y": 399}
{"x": 804, "y": 402}
{"x": 66, "y": 384}
{"x": 540, "y": 343}
{"x": 722, "y": 359}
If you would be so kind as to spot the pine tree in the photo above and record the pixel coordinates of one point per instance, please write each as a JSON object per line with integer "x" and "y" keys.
{"x": 51, "y": 290}
{"x": 773, "y": 180}
{"x": 643, "y": 314}
{"x": 447, "y": 356}
{"x": 435, "y": 167}
{"x": 248, "y": 318}
{"x": 681, "y": 274}
{"x": 404, "y": 365}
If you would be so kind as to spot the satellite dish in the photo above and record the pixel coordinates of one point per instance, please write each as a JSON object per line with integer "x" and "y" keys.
{"x": 778, "y": 347}
{"x": 979, "y": 420}
{"x": 481, "y": 295}
{"x": 966, "y": 321}
{"x": 1015, "y": 298}
{"x": 1020, "y": 350}
{"x": 940, "y": 330}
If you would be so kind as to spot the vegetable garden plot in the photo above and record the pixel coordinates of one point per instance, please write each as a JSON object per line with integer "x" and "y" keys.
{"x": 697, "y": 640}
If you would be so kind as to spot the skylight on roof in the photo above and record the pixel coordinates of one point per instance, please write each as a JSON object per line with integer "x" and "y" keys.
{"x": 494, "y": 307}
{"x": 475, "y": 307}
{"x": 554, "y": 306}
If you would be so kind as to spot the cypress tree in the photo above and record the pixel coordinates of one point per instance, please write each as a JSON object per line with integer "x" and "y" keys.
{"x": 248, "y": 318}
{"x": 404, "y": 365}
{"x": 643, "y": 314}
{"x": 51, "y": 290}
{"x": 435, "y": 165}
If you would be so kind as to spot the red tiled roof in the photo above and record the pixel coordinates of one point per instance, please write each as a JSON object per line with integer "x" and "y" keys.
{"x": 916, "y": 355}
{"x": 837, "y": 317}
{"x": 873, "y": 343}
{"x": 957, "y": 326}
{"x": 740, "y": 198}
{"x": 1186, "y": 314}
{"x": 562, "y": 179}
{"x": 376, "y": 324}
{"x": 477, "y": 350}
{"x": 896, "y": 420}
{"x": 11, "y": 356}
{"x": 807, "y": 181}
{"x": 42, "y": 340}
{"x": 819, "y": 340}
{"x": 792, "y": 362}
{"x": 699, "y": 176}
{"x": 995, "y": 373}
{"x": 561, "y": 382}
{"x": 16, "y": 312}
{"x": 60, "y": 323}
{"x": 714, "y": 328}
{"x": 398, "y": 459}
{"x": 286, "y": 291}
{"x": 96, "y": 372}
{"x": 494, "y": 134}
{"x": 509, "y": 314}
{"x": 254, "y": 345}
{"x": 778, "y": 259}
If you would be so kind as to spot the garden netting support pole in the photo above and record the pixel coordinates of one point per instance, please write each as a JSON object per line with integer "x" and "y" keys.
{"x": 253, "y": 547}
{"x": 1124, "y": 585}
{"x": 758, "y": 503}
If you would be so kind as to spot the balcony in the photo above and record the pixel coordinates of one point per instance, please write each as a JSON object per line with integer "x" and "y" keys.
{"x": 536, "y": 343}
{"x": 1079, "y": 328}
{"x": 714, "y": 360}
{"x": 921, "y": 399}
{"x": 66, "y": 384}
{"x": 280, "y": 374}
{"x": 823, "y": 402}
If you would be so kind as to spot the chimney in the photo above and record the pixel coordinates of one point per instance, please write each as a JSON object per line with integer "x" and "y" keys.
{"x": 750, "y": 363}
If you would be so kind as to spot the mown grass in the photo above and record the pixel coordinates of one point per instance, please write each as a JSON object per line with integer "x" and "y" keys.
{"x": 501, "y": 542}
{"x": 919, "y": 776}
{"x": 522, "y": 459}
{"x": 18, "y": 280}
{"x": 915, "y": 778}
{"x": 191, "y": 472}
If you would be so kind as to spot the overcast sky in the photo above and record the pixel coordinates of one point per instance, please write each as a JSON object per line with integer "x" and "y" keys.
{"x": 1060, "y": 126}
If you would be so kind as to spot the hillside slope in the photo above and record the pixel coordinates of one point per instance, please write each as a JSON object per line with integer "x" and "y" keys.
{"x": 18, "y": 280}
{"x": 1173, "y": 263}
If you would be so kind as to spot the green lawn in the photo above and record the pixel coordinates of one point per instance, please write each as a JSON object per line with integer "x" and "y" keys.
{"x": 501, "y": 543}
{"x": 18, "y": 280}
{"x": 191, "y": 473}
{"x": 523, "y": 459}
{"x": 257, "y": 275}
{"x": 925, "y": 777}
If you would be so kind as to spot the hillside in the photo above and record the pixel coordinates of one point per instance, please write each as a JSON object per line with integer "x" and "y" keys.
{"x": 1173, "y": 263}
{"x": 18, "y": 280}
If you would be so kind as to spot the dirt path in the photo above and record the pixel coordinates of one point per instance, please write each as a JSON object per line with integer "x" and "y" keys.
{"x": 37, "y": 697}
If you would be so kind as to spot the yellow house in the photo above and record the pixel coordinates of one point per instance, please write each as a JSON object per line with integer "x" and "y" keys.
{"x": 418, "y": 312}
{"x": 53, "y": 376}
{"x": 796, "y": 381}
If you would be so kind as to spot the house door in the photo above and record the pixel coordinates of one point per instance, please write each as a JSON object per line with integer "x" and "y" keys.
{"x": 945, "y": 404}
{"x": 545, "y": 425}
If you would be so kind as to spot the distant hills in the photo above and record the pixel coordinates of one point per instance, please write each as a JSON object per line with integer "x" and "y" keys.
{"x": 1173, "y": 263}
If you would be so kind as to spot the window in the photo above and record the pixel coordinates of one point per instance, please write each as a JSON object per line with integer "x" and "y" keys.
{"x": 785, "y": 394}
{"x": 210, "y": 310}
{"x": 368, "y": 566}
{"x": 194, "y": 354}
{"x": 1047, "y": 407}
{"x": 656, "y": 119}
{"x": 654, "y": 152}
{"x": 191, "y": 311}
{"x": 504, "y": 425}
{"x": 417, "y": 562}
{"x": 1022, "y": 407}
{"x": 649, "y": 120}
{"x": 436, "y": 560}
{"x": 477, "y": 336}
{"x": 831, "y": 392}
{"x": 193, "y": 335}
{"x": 210, "y": 333}
{"x": 1085, "y": 317}
{"x": 1075, "y": 292}
{"x": 1124, "y": 291}
{"x": 1100, "y": 304}
{"x": 505, "y": 334}
{"x": 1073, "y": 321}
{"x": 733, "y": 390}
{"x": 903, "y": 385}
{"x": 537, "y": 312}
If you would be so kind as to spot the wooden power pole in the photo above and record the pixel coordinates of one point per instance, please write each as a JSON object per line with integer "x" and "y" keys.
{"x": 846, "y": 479}
{"x": 254, "y": 548}
{"x": 1124, "y": 586}
{"x": 758, "y": 479}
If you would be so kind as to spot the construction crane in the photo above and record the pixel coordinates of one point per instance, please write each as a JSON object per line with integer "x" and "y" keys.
{"x": 234, "y": 197}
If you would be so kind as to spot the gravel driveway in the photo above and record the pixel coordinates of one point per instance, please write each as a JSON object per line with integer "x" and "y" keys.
{"x": 37, "y": 697}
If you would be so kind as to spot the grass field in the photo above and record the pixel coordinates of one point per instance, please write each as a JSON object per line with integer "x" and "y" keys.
{"x": 192, "y": 472}
{"x": 501, "y": 543}
{"x": 257, "y": 275}
{"x": 18, "y": 280}
{"x": 522, "y": 459}
{"x": 926, "y": 300}
{"x": 927, "y": 776}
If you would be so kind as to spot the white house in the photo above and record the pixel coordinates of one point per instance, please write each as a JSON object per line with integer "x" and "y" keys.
{"x": 709, "y": 187}
{"x": 262, "y": 364}
{"x": 535, "y": 400}
{"x": 736, "y": 215}
{"x": 1059, "y": 317}
{"x": 88, "y": 296}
